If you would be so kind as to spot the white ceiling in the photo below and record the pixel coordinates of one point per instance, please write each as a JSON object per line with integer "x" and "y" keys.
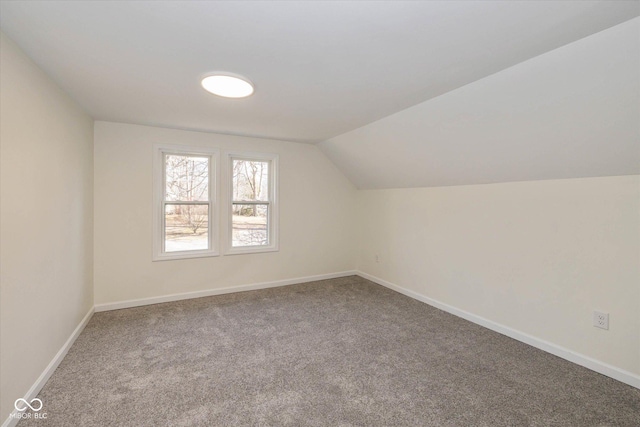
{"x": 320, "y": 68}
{"x": 572, "y": 112}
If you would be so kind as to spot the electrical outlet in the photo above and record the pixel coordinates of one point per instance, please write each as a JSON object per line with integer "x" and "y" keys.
{"x": 601, "y": 319}
{"x": 377, "y": 259}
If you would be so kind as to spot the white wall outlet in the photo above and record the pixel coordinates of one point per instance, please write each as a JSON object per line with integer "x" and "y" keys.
{"x": 377, "y": 259}
{"x": 601, "y": 319}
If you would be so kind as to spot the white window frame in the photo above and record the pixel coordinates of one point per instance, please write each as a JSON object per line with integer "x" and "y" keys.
{"x": 273, "y": 208}
{"x": 159, "y": 177}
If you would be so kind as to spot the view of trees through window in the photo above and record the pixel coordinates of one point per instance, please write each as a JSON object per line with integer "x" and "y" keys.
{"x": 250, "y": 206}
{"x": 187, "y": 218}
{"x": 187, "y": 205}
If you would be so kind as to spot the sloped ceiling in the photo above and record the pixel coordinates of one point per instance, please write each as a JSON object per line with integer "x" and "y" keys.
{"x": 572, "y": 112}
{"x": 320, "y": 68}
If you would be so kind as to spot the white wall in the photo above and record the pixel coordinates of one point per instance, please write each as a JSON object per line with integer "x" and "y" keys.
{"x": 537, "y": 257}
{"x": 569, "y": 113}
{"x": 316, "y": 221}
{"x": 46, "y": 221}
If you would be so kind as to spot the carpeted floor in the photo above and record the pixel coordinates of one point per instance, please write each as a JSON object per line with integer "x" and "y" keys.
{"x": 330, "y": 353}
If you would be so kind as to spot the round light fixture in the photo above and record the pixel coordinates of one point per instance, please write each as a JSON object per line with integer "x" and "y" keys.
{"x": 228, "y": 86}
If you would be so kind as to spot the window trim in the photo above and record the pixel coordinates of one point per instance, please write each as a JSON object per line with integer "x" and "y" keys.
{"x": 273, "y": 210}
{"x": 159, "y": 179}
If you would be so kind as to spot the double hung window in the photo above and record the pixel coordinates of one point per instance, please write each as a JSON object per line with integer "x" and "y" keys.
{"x": 184, "y": 203}
{"x": 253, "y": 216}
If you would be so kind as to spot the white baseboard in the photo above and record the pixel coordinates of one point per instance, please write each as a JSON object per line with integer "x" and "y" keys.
{"x": 48, "y": 371}
{"x": 209, "y": 292}
{"x": 577, "y": 358}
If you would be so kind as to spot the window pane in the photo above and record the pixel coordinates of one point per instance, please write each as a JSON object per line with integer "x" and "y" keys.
{"x": 249, "y": 225}
{"x": 250, "y": 180}
{"x": 187, "y": 178}
{"x": 186, "y": 228}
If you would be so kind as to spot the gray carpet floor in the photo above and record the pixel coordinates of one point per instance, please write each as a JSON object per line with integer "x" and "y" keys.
{"x": 342, "y": 352}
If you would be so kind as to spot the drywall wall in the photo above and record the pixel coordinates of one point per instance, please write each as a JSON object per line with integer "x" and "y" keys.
{"x": 537, "y": 257}
{"x": 316, "y": 217}
{"x": 569, "y": 113}
{"x": 46, "y": 221}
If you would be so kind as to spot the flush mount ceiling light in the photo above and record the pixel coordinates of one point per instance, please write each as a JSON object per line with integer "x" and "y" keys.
{"x": 227, "y": 85}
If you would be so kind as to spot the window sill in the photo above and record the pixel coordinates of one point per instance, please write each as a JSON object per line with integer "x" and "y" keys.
{"x": 250, "y": 250}
{"x": 184, "y": 255}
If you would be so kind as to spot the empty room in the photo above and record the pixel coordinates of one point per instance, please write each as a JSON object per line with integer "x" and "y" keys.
{"x": 320, "y": 213}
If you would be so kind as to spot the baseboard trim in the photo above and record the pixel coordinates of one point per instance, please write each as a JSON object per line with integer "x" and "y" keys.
{"x": 48, "y": 371}
{"x": 564, "y": 353}
{"x": 210, "y": 292}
